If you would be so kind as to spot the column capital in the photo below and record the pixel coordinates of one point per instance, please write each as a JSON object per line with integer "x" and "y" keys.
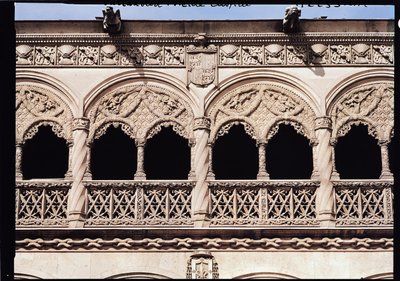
{"x": 140, "y": 142}
{"x": 383, "y": 142}
{"x": 202, "y": 123}
{"x": 80, "y": 124}
{"x": 323, "y": 122}
{"x": 261, "y": 142}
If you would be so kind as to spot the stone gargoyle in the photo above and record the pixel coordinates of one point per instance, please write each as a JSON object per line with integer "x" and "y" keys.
{"x": 112, "y": 20}
{"x": 291, "y": 22}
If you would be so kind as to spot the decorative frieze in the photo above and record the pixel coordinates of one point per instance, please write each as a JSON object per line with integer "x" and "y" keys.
{"x": 275, "y": 49}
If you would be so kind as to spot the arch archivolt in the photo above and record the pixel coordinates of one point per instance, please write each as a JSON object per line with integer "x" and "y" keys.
{"x": 262, "y": 106}
{"x": 37, "y": 105}
{"x": 141, "y": 109}
{"x": 371, "y": 104}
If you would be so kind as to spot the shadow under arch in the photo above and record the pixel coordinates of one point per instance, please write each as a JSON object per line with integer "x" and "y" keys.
{"x": 59, "y": 88}
{"x": 298, "y": 86}
{"x": 354, "y": 80}
{"x": 265, "y": 275}
{"x": 135, "y": 76}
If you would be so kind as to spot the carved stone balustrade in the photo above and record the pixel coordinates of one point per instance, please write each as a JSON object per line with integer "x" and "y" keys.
{"x": 363, "y": 202}
{"x": 41, "y": 203}
{"x": 263, "y": 202}
{"x": 139, "y": 203}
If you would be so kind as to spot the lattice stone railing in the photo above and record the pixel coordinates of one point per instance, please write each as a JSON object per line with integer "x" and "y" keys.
{"x": 138, "y": 203}
{"x": 363, "y": 202}
{"x": 41, "y": 203}
{"x": 263, "y": 203}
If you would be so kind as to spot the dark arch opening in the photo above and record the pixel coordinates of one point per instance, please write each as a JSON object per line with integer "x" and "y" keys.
{"x": 167, "y": 156}
{"x": 357, "y": 155}
{"x": 114, "y": 156}
{"x": 235, "y": 155}
{"x": 289, "y": 155}
{"x": 44, "y": 156}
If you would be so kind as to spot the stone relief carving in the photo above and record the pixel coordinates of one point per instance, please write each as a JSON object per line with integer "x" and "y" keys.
{"x": 131, "y": 55}
{"x": 112, "y": 20}
{"x": 370, "y": 104}
{"x": 361, "y": 53}
{"x": 175, "y": 55}
{"x": 229, "y": 55}
{"x": 260, "y": 107}
{"x": 152, "y": 55}
{"x": 36, "y": 106}
{"x": 67, "y": 55}
{"x": 202, "y": 265}
{"x": 109, "y": 55}
{"x": 340, "y": 54}
{"x": 319, "y": 54}
{"x": 296, "y": 55}
{"x": 88, "y": 55}
{"x": 382, "y": 54}
{"x": 274, "y": 54}
{"x": 45, "y": 55}
{"x": 141, "y": 110}
{"x": 24, "y": 54}
{"x": 291, "y": 20}
{"x": 252, "y": 55}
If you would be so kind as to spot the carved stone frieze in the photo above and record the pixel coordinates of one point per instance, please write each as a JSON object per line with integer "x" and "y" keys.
{"x": 340, "y": 54}
{"x": 109, "y": 55}
{"x": 45, "y": 55}
{"x": 202, "y": 123}
{"x": 141, "y": 111}
{"x": 370, "y": 104}
{"x": 307, "y": 243}
{"x": 252, "y": 55}
{"x": 67, "y": 55}
{"x": 382, "y": 54}
{"x": 174, "y": 55}
{"x": 131, "y": 55}
{"x": 323, "y": 122}
{"x": 24, "y": 55}
{"x": 37, "y": 106}
{"x": 153, "y": 55}
{"x": 274, "y": 54}
{"x": 361, "y": 53}
{"x": 88, "y": 55}
{"x": 229, "y": 55}
{"x": 261, "y": 108}
{"x": 319, "y": 54}
{"x": 296, "y": 54}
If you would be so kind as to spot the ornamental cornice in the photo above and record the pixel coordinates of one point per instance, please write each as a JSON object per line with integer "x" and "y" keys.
{"x": 363, "y": 183}
{"x": 188, "y": 243}
{"x": 43, "y": 184}
{"x": 260, "y": 183}
{"x": 141, "y": 184}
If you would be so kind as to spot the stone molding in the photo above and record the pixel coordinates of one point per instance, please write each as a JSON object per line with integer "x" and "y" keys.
{"x": 279, "y": 244}
{"x": 170, "y": 50}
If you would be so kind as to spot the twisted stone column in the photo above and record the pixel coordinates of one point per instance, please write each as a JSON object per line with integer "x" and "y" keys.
{"x": 68, "y": 174}
{"x": 335, "y": 175}
{"x": 18, "y": 160}
{"x": 77, "y": 195}
{"x": 88, "y": 173}
{"x": 262, "y": 172}
{"x": 202, "y": 164}
{"x": 140, "y": 174}
{"x": 386, "y": 173}
{"x": 325, "y": 193}
{"x": 192, "y": 173}
{"x": 315, "y": 173}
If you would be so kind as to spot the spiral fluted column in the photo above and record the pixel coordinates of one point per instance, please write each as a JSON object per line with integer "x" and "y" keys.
{"x": 325, "y": 193}
{"x": 140, "y": 174}
{"x": 77, "y": 195}
{"x": 262, "y": 172}
{"x": 386, "y": 173}
{"x": 18, "y": 161}
{"x": 200, "y": 195}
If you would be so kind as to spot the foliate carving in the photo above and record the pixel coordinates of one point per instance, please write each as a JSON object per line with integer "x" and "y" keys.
{"x": 252, "y": 55}
{"x": 323, "y": 122}
{"x": 363, "y": 204}
{"x": 141, "y": 111}
{"x": 174, "y": 55}
{"x": 80, "y": 124}
{"x": 296, "y": 55}
{"x": 247, "y": 128}
{"x": 24, "y": 54}
{"x": 274, "y": 54}
{"x": 45, "y": 55}
{"x": 280, "y": 243}
{"x": 152, "y": 55}
{"x": 263, "y": 106}
{"x": 88, "y": 55}
{"x": 382, "y": 54}
{"x": 370, "y": 104}
{"x": 109, "y": 55}
{"x": 67, "y": 55}
{"x": 361, "y": 53}
{"x": 36, "y": 106}
{"x": 340, "y": 54}
{"x": 229, "y": 55}
{"x": 319, "y": 54}
{"x": 131, "y": 55}
{"x": 41, "y": 206}
{"x": 260, "y": 203}
{"x": 202, "y": 123}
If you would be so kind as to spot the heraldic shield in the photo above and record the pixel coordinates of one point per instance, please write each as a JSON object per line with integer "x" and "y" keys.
{"x": 201, "y": 68}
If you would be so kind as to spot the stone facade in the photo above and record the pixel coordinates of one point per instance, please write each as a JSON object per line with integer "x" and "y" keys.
{"x": 200, "y": 78}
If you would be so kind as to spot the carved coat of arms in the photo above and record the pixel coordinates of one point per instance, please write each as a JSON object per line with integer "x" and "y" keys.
{"x": 202, "y": 65}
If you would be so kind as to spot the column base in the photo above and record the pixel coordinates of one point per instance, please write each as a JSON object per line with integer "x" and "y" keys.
{"x": 192, "y": 176}
{"x": 386, "y": 175}
{"x": 68, "y": 175}
{"x": 315, "y": 175}
{"x": 335, "y": 175}
{"x": 18, "y": 176}
{"x": 87, "y": 176}
{"x": 76, "y": 220}
{"x": 327, "y": 219}
{"x": 263, "y": 176}
{"x": 210, "y": 176}
{"x": 140, "y": 176}
{"x": 201, "y": 219}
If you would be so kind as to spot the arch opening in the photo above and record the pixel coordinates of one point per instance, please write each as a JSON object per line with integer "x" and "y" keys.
{"x": 289, "y": 155}
{"x": 44, "y": 156}
{"x": 167, "y": 156}
{"x": 113, "y": 156}
{"x": 235, "y": 155}
{"x": 357, "y": 155}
